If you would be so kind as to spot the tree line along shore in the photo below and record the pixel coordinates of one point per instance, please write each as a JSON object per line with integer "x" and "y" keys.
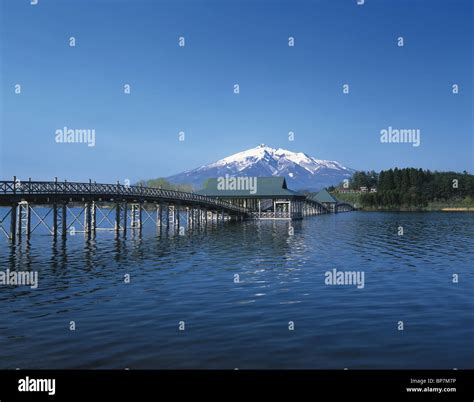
{"x": 408, "y": 189}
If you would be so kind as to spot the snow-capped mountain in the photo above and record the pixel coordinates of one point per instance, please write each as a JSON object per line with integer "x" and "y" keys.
{"x": 301, "y": 171}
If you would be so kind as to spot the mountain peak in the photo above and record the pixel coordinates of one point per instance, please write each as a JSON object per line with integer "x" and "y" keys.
{"x": 300, "y": 169}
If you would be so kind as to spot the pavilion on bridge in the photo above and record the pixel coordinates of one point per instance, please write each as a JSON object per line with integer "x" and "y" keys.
{"x": 269, "y": 198}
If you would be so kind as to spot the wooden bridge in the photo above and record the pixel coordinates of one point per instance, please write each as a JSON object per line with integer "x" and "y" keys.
{"x": 64, "y": 208}
{"x": 87, "y": 207}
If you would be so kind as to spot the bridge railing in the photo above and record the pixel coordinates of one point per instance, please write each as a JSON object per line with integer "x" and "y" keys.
{"x": 315, "y": 203}
{"x": 17, "y": 187}
{"x": 272, "y": 215}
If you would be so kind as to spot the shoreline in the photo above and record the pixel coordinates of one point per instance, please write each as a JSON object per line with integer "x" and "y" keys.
{"x": 444, "y": 209}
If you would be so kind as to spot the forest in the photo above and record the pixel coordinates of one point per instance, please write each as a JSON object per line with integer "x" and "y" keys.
{"x": 410, "y": 187}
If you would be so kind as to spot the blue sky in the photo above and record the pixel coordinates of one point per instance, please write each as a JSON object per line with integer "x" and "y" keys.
{"x": 190, "y": 89}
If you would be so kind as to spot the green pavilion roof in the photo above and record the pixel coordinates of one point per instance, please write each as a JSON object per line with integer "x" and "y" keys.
{"x": 266, "y": 187}
{"x": 324, "y": 196}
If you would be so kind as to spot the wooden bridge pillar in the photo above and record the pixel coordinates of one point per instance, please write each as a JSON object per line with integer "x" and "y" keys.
{"x": 55, "y": 220}
{"x": 28, "y": 221}
{"x": 159, "y": 216}
{"x": 173, "y": 217}
{"x": 93, "y": 211}
{"x": 177, "y": 209}
{"x": 63, "y": 220}
{"x": 23, "y": 220}
{"x": 87, "y": 218}
{"x": 140, "y": 215}
{"x": 125, "y": 217}
{"x": 167, "y": 217}
{"x": 13, "y": 218}
{"x": 117, "y": 217}
{"x": 136, "y": 216}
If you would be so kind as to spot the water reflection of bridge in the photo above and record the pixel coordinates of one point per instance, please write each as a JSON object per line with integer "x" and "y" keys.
{"x": 65, "y": 207}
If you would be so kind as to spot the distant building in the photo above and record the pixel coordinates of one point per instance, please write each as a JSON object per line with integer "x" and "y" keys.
{"x": 269, "y": 199}
{"x": 329, "y": 201}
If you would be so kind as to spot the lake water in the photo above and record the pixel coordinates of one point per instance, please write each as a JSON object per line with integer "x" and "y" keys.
{"x": 228, "y": 325}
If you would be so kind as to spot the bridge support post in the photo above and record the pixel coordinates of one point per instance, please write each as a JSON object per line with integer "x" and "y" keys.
{"x": 63, "y": 220}
{"x": 167, "y": 217}
{"x": 24, "y": 220}
{"x": 177, "y": 217}
{"x": 28, "y": 221}
{"x": 158, "y": 216}
{"x": 55, "y": 220}
{"x": 125, "y": 216}
{"x": 93, "y": 211}
{"x": 173, "y": 217}
{"x": 140, "y": 215}
{"x": 117, "y": 217}
{"x": 136, "y": 216}
{"x": 13, "y": 219}
{"x": 87, "y": 218}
